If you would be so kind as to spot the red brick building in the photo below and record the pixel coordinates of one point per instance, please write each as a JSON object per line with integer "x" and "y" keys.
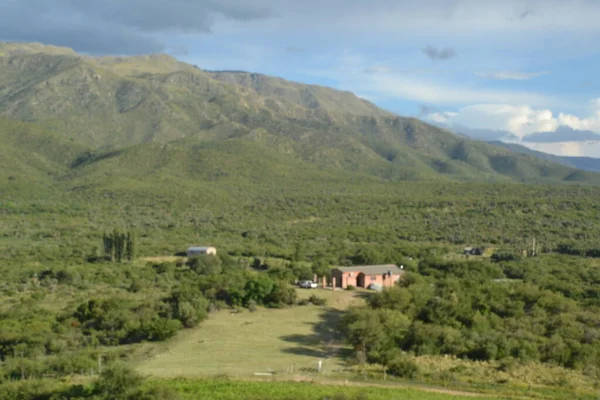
{"x": 363, "y": 276}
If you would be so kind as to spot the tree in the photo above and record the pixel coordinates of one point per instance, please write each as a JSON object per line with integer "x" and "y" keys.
{"x": 119, "y": 246}
{"x": 109, "y": 246}
{"x": 299, "y": 253}
{"x": 321, "y": 268}
{"x": 258, "y": 288}
{"x": 119, "y": 240}
{"x": 205, "y": 265}
{"x": 130, "y": 247}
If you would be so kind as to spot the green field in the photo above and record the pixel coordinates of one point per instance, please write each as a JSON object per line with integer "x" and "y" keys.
{"x": 240, "y": 344}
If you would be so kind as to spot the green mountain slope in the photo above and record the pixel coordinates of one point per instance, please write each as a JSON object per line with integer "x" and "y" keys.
{"x": 109, "y": 104}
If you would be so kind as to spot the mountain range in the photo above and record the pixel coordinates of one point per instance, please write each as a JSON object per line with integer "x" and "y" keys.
{"x": 583, "y": 163}
{"x": 72, "y": 119}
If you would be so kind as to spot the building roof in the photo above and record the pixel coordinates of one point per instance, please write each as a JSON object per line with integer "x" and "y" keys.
{"x": 195, "y": 248}
{"x": 373, "y": 269}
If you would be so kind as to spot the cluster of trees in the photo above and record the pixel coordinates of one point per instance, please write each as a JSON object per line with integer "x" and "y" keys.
{"x": 578, "y": 249}
{"x": 119, "y": 246}
{"x": 473, "y": 310}
{"x": 33, "y": 339}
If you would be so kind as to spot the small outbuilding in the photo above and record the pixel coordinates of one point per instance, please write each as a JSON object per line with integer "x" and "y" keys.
{"x": 364, "y": 276}
{"x": 199, "y": 251}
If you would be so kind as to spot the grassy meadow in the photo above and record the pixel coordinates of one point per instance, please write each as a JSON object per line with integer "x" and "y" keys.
{"x": 283, "y": 341}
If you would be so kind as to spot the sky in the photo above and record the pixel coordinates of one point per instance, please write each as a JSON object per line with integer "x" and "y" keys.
{"x": 521, "y": 66}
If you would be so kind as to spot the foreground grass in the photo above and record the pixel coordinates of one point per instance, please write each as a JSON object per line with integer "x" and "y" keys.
{"x": 223, "y": 389}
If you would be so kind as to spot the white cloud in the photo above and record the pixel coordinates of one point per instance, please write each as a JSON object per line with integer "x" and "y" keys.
{"x": 591, "y": 123}
{"x": 432, "y": 92}
{"x": 519, "y": 120}
{"x": 510, "y": 75}
{"x": 355, "y": 73}
{"x": 570, "y": 149}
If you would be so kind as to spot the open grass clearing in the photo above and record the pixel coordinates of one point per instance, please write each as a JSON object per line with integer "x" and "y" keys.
{"x": 290, "y": 340}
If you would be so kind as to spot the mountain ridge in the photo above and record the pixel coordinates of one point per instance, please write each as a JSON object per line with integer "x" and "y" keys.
{"x": 108, "y": 104}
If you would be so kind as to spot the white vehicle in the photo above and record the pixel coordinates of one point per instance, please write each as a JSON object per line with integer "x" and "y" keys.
{"x": 307, "y": 284}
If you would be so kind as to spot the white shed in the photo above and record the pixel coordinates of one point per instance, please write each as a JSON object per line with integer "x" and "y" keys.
{"x": 197, "y": 251}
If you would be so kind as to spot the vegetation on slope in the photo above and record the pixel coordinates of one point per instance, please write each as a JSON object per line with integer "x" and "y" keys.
{"x": 116, "y": 102}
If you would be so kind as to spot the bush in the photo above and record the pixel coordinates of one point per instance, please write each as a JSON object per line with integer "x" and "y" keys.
{"x": 252, "y": 305}
{"x": 351, "y": 287}
{"x": 187, "y": 314}
{"x": 404, "y": 368}
{"x": 205, "y": 265}
{"x": 504, "y": 256}
{"x": 282, "y": 295}
{"x": 317, "y": 301}
{"x": 118, "y": 382}
{"x": 163, "y": 329}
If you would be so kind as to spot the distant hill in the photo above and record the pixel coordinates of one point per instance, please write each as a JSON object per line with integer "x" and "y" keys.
{"x": 140, "y": 116}
{"x": 562, "y": 134}
{"x": 583, "y": 163}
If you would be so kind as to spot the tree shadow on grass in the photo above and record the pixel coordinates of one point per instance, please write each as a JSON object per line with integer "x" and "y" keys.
{"x": 325, "y": 340}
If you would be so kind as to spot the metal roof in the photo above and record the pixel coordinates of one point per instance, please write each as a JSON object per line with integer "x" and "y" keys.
{"x": 199, "y": 248}
{"x": 373, "y": 269}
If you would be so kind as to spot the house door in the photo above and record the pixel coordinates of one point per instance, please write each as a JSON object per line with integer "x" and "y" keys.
{"x": 360, "y": 280}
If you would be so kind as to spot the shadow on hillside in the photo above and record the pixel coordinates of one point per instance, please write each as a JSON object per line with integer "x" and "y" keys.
{"x": 325, "y": 341}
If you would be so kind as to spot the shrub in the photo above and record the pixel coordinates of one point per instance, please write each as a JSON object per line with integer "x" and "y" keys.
{"x": 351, "y": 287}
{"x": 205, "y": 265}
{"x": 403, "y": 368}
{"x": 504, "y": 256}
{"x": 163, "y": 329}
{"x": 317, "y": 301}
{"x": 118, "y": 382}
{"x": 187, "y": 314}
{"x": 252, "y": 305}
{"x": 282, "y": 295}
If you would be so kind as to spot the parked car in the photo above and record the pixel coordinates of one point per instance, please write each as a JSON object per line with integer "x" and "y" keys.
{"x": 376, "y": 287}
{"x": 307, "y": 284}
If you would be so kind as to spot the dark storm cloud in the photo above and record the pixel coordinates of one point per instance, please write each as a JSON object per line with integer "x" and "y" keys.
{"x": 116, "y": 26}
{"x": 439, "y": 54}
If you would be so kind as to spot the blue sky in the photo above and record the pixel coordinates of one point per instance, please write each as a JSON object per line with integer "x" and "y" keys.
{"x": 516, "y": 65}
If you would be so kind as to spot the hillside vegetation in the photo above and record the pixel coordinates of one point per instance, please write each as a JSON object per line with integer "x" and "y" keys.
{"x": 112, "y": 103}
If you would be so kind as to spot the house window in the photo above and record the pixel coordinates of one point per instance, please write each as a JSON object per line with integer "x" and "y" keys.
{"x": 373, "y": 278}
